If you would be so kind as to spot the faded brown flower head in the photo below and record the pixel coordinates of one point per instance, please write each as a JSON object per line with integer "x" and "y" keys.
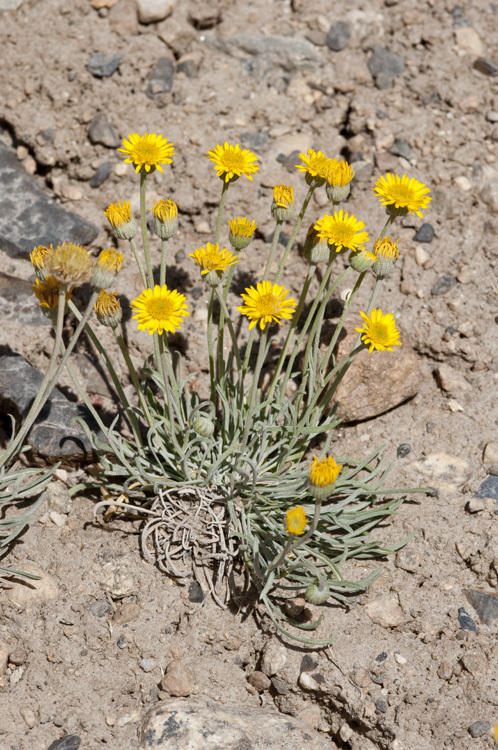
{"x": 69, "y": 264}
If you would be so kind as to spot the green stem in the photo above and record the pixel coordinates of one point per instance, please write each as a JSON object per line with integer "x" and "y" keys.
{"x": 135, "y": 381}
{"x": 136, "y": 255}
{"x": 254, "y": 386}
{"x": 211, "y": 344}
{"x": 226, "y": 314}
{"x": 340, "y": 324}
{"x": 162, "y": 273}
{"x": 294, "y": 233}
{"x": 273, "y": 250}
{"x": 143, "y": 224}
{"x": 391, "y": 219}
{"x": 167, "y": 369}
{"x": 223, "y": 198}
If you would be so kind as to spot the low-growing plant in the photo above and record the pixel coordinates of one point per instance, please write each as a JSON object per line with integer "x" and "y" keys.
{"x": 244, "y": 476}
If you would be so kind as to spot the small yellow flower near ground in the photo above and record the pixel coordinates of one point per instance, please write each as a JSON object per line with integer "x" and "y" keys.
{"x": 118, "y": 213}
{"x": 147, "y": 151}
{"x": 402, "y": 194}
{"x": 342, "y": 230}
{"x": 324, "y": 472}
{"x": 379, "y": 331}
{"x": 108, "y": 309}
{"x": 211, "y": 258}
{"x": 230, "y": 162}
{"x": 296, "y": 520}
{"x": 47, "y": 293}
{"x": 69, "y": 264}
{"x": 267, "y": 304}
{"x": 159, "y": 309}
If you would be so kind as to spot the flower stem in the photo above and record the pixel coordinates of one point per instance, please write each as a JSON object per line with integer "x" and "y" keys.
{"x": 223, "y": 198}
{"x": 136, "y": 255}
{"x": 294, "y": 233}
{"x": 254, "y": 387}
{"x": 273, "y": 250}
{"x": 164, "y": 253}
{"x": 143, "y": 224}
{"x": 135, "y": 381}
{"x": 226, "y": 314}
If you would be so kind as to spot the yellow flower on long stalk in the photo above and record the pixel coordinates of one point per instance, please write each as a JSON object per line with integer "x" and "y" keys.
{"x": 122, "y": 222}
{"x": 211, "y": 258}
{"x": 69, "y": 264}
{"x": 165, "y": 215}
{"x": 339, "y": 177}
{"x": 159, "y": 309}
{"x": 387, "y": 254}
{"x": 241, "y": 232}
{"x": 379, "y": 331}
{"x": 282, "y": 206}
{"x": 316, "y": 166}
{"x": 296, "y": 520}
{"x": 47, "y": 293}
{"x": 107, "y": 267}
{"x": 230, "y": 162}
{"x": 147, "y": 151}
{"x": 267, "y": 304}
{"x": 108, "y": 309}
{"x": 323, "y": 475}
{"x": 342, "y": 231}
{"x": 402, "y": 194}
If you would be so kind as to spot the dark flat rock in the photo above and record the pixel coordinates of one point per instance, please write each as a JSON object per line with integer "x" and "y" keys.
{"x": 488, "y": 488}
{"x": 29, "y": 216}
{"x": 69, "y": 742}
{"x": 53, "y": 437}
{"x": 161, "y": 79}
{"x": 18, "y": 302}
{"x": 485, "y": 604}
{"x": 103, "y": 66}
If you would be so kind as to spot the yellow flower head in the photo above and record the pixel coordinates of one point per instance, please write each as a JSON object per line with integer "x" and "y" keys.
{"x": 69, "y": 264}
{"x": 108, "y": 309}
{"x": 230, "y": 162}
{"x": 296, "y": 520}
{"x": 118, "y": 213}
{"x": 107, "y": 268}
{"x": 38, "y": 258}
{"x": 267, "y": 304}
{"x": 213, "y": 261}
{"x": 242, "y": 227}
{"x": 47, "y": 292}
{"x": 316, "y": 165}
{"x": 342, "y": 230}
{"x": 402, "y": 194}
{"x": 283, "y": 195}
{"x": 159, "y": 309}
{"x": 147, "y": 151}
{"x": 165, "y": 210}
{"x": 340, "y": 173}
{"x": 324, "y": 473}
{"x": 379, "y": 331}
{"x": 386, "y": 248}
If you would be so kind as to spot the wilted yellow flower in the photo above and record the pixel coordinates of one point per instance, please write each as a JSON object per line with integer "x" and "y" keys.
{"x": 159, "y": 309}
{"x": 69, "y": 264}
{"x": 316, "y": 166}
{"x": 241, "y": 232}
{"x": 165, "y": 218}
{"x": 47, "y": 292}
{"x": 107, "y": 268}
{"x": 267, "y": 304}
{"x": 147, "y": 151}
{"x": 296, "y": 520}
{"x": 213, "y": 261}
{"x": 342, "y": 230}
{"x": 108, "y": 309}
{"x": 379, "y": 331}
{"x": 402, "y": 194}
{"x": 323, "y": 473}
{"x": 230, "y": 162}
{"x": 38, "y": 258}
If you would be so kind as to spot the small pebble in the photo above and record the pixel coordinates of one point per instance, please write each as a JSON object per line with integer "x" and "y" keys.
{"x": 381, "y": 657}
{"x": 425, "y": 233}
{"x": 102, "y": 132}
{"x": 466, "y": 621}
{"x": 403, "y": 450}
{"x": 443, "y": 285}
{"x": 29, "y": 717}
{"x": 281, "y": 686}
{"x": 147, "y": 664}
{"x": 161, "y": 79}
{"x": 489, "y": 488}
{"x": 122, "y": 642}
{"x": 259, "y": 681}
{"x": 399, "y": 659}
{"x": 126, "y": 612}
{"x": 18, "y": 657}
{"x": 100, "y": 608}
{"x": 338, "y": 36}
{"x": 479, "y": 728}
{"x": 178, "y": 680}
{"x": 381, "y": 706}
{"x": 445, "y": 671}
{"x": 69, "y": 742}
{"x": 463, "y": 183}
{"x": 401, "y": 148}
{"x": 421, "y": 256}
{"x": 486, "y": 66}
{"x": 103, "y": 66}
{"x": 485, "y": 604}
{"x": 101, "y": 174}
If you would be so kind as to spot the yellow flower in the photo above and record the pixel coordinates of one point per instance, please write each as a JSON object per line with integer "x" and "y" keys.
{"x": 108, "y": 309}
{"x": 159, "y": 309}
{"x": 316, "y": 165}
{"x": 118, "y": 213}
{"x": 230, "y": 162}
{"x": 147, "y": 151}
{"x": 324, "y": 472}
{"x": 47, "y": 292}
{"x": 213, "y": 261}
{"x": 296, "y": 520}
{"x": 107, "y": 268}
{"x": 69, "y": 264}
{"x": 402, "y": 194}
{"x": 340, "y": 173}
{"x": 267, "y": 304}
{"x": 38, "y": 258}
{"x": 342, "y": 230}
{"x": 387, "y": 254}
{"x": 283, "y": 195}
{"x": 379, "y": 331}
{"x": 165, "y": 219}
{"x": 242, "y": 227}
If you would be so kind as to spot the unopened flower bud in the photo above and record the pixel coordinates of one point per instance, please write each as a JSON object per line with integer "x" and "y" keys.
{"x": 123, "y": 224}
{"x": 361, "y": 260}
{"x": 108, "y": 309}
{"x": 316, "y": 594}
{"x": 339, "y": 176}
{"x": 241, "y": 232}
{"x": 165, "y": 219}
{"x": 282, "y": 206}
{"x": 204, "y": 427}
{"x": 315, "y": 250}
{"x": 322, "y": 477}
{"x": 107, "y": 268}
{"x": 387, "y": 254}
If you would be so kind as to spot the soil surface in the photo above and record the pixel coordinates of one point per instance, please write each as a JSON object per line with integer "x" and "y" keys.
{"x": 407, "y": 670}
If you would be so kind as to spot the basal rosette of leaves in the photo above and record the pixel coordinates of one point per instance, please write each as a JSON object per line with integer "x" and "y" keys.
{"x": 242, "y": 479}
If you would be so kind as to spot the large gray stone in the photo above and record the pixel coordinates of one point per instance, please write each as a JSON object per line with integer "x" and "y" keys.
{"x": 181, "y": 723}
{"x": 29, "y": 216}
{"x": 18, "y": 302}
{"x": 53, "y": 437}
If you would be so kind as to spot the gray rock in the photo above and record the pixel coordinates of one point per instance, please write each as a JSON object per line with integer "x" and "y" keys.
{"x": 161, "y": 79}
{"x": 101, "y": 131}
{"x": 443, "y": 285}
{"x": 486, "y": 66}
{"x": 100, "y": 608}
{"x": 384, "y": 66}
{"x": 103, "y": 66}
{"x": 52, "y": 437}
{"x": 259, "y": 681}
{"x": 485, "y": 604}
{"x": 255, "y": 141}
{"x": 176, "y": 724}
{"x": 465, "y": 620}
{"x": 338, "y": 36}
{"x": 401, "y": 148}
{"x": 425, "y": 233}
{"x": 101, "y": 174}
{"x": 442, "y": 471}
{"x": 479, "y": 728}
{"x": 489, "y": 488}
{"x": 195, "y": 593}
{"x": 69, "y": 742}
{"x": 285, "y": 51}
{"x": 18, "y": 302}
{"x": 29, "y": 217}
{"x": 151, "y": 11}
